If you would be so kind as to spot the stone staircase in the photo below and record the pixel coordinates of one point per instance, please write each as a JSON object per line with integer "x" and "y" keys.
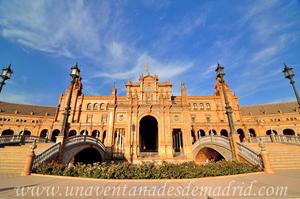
{"x": 282, "y": 156}
{"x": 12, "y": 158}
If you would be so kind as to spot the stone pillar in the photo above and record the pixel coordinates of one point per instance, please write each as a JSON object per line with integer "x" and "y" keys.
{"x": 265, "y": 158}
{"x": 273, "y": 138}
{"x": 29, "y": 160}
{"x": 59, "y": 138}
{"x": 234, "y": 139}
{"x": 110, "y": 131}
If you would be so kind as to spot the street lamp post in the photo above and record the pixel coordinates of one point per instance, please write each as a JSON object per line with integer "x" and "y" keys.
{"x": 6, "y": 74}
{"x": 131, "y": 144}
{"x": 220, "y": 74}
{"x": 74, "y": 74}
{"x": 233, "y": 136}
{"x": 75, "y": 71}
{"x": 289, "y": 74}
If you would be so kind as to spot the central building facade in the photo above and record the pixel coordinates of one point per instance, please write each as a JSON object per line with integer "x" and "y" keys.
{"x": 149, "y": 121}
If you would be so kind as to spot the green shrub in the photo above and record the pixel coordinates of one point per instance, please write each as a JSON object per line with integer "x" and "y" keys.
{"x": 148, "y": 170}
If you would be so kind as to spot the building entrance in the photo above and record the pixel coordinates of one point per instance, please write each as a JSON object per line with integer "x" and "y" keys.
{"x": 148, "y": 134}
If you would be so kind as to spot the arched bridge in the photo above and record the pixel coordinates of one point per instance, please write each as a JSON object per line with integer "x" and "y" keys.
{"x": 219, "y": 144}
{"x": 214, "y": 146}
{"x": 73, "y": 146}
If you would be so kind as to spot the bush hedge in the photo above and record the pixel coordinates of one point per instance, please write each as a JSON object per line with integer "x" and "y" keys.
{"x": 148, "y": 170}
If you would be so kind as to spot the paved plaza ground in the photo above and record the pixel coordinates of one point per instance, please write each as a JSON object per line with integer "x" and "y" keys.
{"x": 281, "y": 184}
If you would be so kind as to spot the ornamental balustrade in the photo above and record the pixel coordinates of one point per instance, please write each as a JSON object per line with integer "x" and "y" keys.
{"x": 47, "y": 155}
{"x": 216, "y": 139}
{"x": 285, "y": 139}
{"x": 20, "y": 139}
{"x": 83, "y": 139}
{"x": 250, "y": 155}
{"x": 265, "y": 139}
{"x": 288, "y": 139}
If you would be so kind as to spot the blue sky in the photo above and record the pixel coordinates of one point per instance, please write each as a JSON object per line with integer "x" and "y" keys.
{"x": 181, "y": 40}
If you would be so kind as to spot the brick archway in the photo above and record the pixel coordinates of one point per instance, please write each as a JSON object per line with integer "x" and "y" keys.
{"x": 148, "y": 134}
{"x": 207, "y": 154}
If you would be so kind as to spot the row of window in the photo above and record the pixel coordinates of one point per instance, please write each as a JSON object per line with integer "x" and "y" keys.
{"x": 17, "y": 120}
{"x": 291, "y": 119}
{"x": 287, "y": 119}
{"x": 96, "y": 106}
{"x": 201, "y": 106}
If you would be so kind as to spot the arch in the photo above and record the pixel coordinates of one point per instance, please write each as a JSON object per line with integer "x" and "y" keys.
{"x": 195, "y": 106}
{"x": 96, "y": 133}
{"x": 102, "y": 106}
{"x": 88, "y": 156}
{"x": 200, "y": 133}
{"x": 148, "y": 134}
{"x": 54, "y": 134}
{"x": 252, "y": 132}
{"x": 84, "y": 131}
{"x": 72, "y": 133}
{"x": 201, "y": 106}
{"x": 288, "y": 132}
{"x": 177, "y": 143}
{"x": 207, "y": 106}
{"x": 26, "y": 132}
{"x": 70, "y": 152}
{"x": 96, "y": 106}
{"x": 89, "y": 106}
{"x": 207, "y": 154}
{"x": 44, "y": 133}
{"x": 7, "y": 132}
{"x": 224, "y": 133}
{"x": 241, "y": 134}
{"x": 269, "y": 132}
{"x": 212, "y": 131}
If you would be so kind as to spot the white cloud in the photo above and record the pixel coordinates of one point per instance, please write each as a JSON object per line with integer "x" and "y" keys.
{"x": 58, "y": 27}
{"x": 116, "y": 49}
{"x": 19, "y": 98}
{"x": 165, "y": 70}
{"x": 265, "y": 54}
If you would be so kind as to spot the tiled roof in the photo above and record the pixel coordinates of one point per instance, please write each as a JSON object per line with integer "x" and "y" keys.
{"x": 26, "y": 109}
{"x": 287, "y": 107}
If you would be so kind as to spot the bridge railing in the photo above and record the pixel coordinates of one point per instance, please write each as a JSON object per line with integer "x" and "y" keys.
{"x": 10, "y": 139}
{"x": 75, "y": 140}
{"x": 286, "y": 139}
{"x": 250, "y": 155}
{"x": 266, "y": 139}
{"x": 20, "y": 139}
{"x": 224, "y": 141}
{"x": 47, "y": 155}
{"x": 30, "y": 139}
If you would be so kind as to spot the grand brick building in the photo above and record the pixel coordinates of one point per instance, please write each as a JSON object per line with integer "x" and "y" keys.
{"x": 149, "y": 120}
